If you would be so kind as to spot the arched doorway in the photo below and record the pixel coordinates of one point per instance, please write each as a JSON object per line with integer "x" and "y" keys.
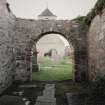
{"x": 31, "y": 33}
{"x": 55, "y": 58}
{"x": 80, "y": 55}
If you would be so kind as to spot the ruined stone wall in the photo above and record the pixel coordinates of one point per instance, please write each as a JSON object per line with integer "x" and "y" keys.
{"x": 7, "y": 64}
{"x": 96, "y": 40}
{"x": 28, "y": 32}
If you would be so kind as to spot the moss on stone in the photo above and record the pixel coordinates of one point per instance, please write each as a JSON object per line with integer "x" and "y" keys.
{"x": 97, "y": 10}
{"x": 79, "y": 18}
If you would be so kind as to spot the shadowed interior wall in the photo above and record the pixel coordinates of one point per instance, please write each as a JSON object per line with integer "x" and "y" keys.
{"x": 96, "y": 40}
{"x": 7, "y": 32}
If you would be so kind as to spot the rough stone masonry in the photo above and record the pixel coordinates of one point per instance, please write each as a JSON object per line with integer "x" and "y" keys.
{"x": 7, "y": 32}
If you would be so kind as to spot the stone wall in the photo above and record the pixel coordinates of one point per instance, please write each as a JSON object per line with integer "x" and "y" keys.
{"x": 7, "y": 62}
{"x": 18, "y": 36}
{"x": 96, "y": 40}
{"x": 28, "y": 32}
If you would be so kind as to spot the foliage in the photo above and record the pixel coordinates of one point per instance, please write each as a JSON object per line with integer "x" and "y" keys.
{"x": 65, "y": 61}
{"x": 99, "y": 6}
{"x": 80, "y": 18}
{"x": 89, "y": 17}
{"x": 46, "y": 62}
{"x": 97, "y": 10}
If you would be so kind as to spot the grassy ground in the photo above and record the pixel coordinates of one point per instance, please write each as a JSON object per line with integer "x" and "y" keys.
{"x": 50, "y": 71}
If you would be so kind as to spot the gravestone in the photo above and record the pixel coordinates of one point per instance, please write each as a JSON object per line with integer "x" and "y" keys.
{"x": 48, "y": 96}
{"x": 74, "y": 98}
{"x": 55, "y": 56}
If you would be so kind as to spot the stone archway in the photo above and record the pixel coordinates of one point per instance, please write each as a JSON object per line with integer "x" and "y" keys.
{"x": 28, "y": 32}
{"x": 34, "y": 51}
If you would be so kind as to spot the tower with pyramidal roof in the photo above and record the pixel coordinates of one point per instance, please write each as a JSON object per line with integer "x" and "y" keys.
{"x": 47, "y": 15}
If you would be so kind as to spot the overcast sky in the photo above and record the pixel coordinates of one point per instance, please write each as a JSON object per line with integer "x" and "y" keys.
{"x": 64, "y": 9}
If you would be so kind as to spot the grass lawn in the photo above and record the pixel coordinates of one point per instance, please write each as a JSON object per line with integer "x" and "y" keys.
{"x": 50, "y": 72}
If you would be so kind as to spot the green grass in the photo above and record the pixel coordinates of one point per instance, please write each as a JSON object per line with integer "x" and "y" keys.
{"x": 51, "y": 72}
{"x": 46, "y": 62}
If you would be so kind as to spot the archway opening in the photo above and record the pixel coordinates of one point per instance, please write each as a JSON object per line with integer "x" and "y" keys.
{"x": 55, "y": 58}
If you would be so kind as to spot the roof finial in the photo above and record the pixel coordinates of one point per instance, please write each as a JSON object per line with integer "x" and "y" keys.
{"x": 47, "y": 4}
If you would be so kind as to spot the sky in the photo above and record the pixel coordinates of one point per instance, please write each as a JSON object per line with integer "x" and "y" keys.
{"x": 63, "y": 9}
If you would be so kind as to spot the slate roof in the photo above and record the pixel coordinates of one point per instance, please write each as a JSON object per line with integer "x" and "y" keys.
{"x": 47, "y": 12}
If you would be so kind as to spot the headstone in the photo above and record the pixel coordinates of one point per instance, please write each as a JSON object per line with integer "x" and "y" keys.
{"x": 55, "y": 56}
{"x": 27, "y": 102}
{"x": 48, "y": 96}
{"x": 74, "y": 99}
{"x": 45, "y": 101}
